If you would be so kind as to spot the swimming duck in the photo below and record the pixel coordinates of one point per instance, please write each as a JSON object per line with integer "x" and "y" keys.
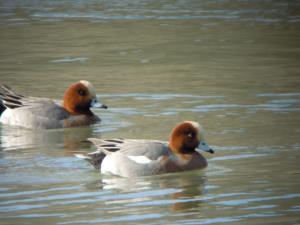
{"x": 132, "y": 157}
{"x": 44, "y": 113}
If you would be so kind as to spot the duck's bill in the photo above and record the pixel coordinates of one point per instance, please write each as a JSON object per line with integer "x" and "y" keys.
{"x": 203, "y": 146}
{"x": 96, "y": 104}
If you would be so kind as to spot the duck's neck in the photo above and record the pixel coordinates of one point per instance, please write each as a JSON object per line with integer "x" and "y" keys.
{"x": 179, "y": 148}
{"x": 77, "y": 109}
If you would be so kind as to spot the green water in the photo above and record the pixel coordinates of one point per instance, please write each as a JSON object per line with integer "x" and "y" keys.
{"x": 233, "y": 66}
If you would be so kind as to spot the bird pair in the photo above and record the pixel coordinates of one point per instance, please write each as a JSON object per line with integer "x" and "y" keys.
{"x": 123, "y": 157}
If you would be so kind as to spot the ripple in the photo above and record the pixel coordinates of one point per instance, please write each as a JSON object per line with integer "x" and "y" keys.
{"x": 219, "y": 220}
{"x": 126, "y": 111}
{"x": 20, "y": 207}
{"x": 261, "y": 207}
{"x": 129, "y": 218}
{"x": 243, "y": 156}
{"x": 249, "y": 200}
{"x": 69, "y": 59}
{"x": 24, "y": 193}
{"x": 40, "y": 215}
{"x": 216, "y": 12}
{"x": 186, "y": 200}
{"x": 51, "y": 198}
{"x": 294, "y": 208}
{"x": 278, "y": 94}
{"x": 289, "y": 105}
{"x": 158, "y": 96}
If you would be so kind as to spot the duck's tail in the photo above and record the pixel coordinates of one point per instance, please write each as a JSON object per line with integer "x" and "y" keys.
{"x": 9, "y": 98}
{"x": 2, "y": 107}
{"x": 104, "y": 147}
{"x": 94, "y": 158}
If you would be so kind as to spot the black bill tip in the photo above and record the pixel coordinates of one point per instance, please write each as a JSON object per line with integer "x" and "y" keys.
{"x": 104, "y": 106}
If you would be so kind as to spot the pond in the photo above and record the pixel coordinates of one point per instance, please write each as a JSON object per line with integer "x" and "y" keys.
{"x": 233, "y": 66}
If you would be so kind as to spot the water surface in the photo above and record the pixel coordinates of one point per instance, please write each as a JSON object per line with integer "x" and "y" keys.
{"x": 231, "y": 65}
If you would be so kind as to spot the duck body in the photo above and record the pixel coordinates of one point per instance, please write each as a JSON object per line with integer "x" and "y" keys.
{"x": 44, "y": 113}
{"x": 131, "y": 157}
{"x": 150, "y": 158}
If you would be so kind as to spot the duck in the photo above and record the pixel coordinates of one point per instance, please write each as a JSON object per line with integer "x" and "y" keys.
{"x": 44, "y": 113}
{"x": 134, "y": 157}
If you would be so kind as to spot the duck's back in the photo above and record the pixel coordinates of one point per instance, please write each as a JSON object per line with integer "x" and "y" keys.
{"x": 148, "y": 148}
{"x": 40, "y": 113}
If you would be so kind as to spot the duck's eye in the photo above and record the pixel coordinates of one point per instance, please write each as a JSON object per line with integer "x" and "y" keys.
{"x": 190, "y": 135}
{"x": 81, "y": 92}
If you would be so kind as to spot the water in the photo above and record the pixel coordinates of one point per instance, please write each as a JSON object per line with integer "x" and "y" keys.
{"x": 231, "y": 65}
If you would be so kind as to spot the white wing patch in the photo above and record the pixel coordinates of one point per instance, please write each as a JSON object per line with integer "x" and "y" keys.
{"x": 140, "y": 159}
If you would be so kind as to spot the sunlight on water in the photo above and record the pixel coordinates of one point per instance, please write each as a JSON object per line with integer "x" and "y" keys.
{"x": 231, "y": 65}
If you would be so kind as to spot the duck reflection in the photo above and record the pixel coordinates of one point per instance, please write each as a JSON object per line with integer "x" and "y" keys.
{"x": 178, "y": 191}
{"x": 71, "y": 139}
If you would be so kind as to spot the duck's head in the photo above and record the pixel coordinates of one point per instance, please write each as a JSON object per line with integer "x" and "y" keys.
{"x": 80, "y": 97}
{"x": 187, "y": 137}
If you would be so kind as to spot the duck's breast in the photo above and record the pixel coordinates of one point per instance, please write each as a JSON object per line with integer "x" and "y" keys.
{"x": 80, "y": 120}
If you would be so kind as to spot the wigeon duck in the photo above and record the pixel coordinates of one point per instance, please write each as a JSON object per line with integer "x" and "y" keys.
{"x": 130, "y": 157}
{"x": 31, "y": 112}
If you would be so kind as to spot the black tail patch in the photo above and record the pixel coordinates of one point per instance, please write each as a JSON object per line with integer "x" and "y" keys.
{"x": 8, "y": 98}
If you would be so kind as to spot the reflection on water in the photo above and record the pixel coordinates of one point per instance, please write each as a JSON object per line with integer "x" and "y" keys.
{"x": 13, "y": 138}
{"x": 231, "y": 65}
{"x": 254, "y": 11}
{"x": 242, "y": 183}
